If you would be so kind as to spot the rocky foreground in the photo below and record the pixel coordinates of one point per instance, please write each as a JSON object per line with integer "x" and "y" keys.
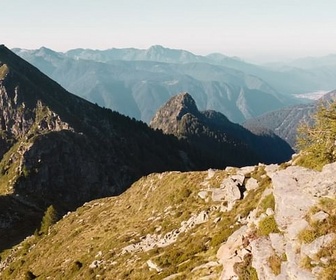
{"x": 257, "y": 222}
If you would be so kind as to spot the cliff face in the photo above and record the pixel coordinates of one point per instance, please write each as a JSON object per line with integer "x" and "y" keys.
{"x": 256, "y": 222}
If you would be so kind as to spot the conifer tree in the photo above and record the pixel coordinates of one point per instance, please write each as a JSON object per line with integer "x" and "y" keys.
{"x": 49, "y": 218}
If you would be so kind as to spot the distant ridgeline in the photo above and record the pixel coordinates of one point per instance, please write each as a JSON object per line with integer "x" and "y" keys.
{"x": 138, "y": 82}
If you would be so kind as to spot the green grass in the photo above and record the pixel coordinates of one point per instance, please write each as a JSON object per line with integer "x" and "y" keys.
{"x": 166, "y": 200}
{"x": 267, "y": 225}
{"x": 317, "y": 229}
{"x": 267, "y": 202}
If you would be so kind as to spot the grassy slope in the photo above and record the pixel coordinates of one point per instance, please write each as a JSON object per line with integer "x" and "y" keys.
{"x": 157, "y": 204}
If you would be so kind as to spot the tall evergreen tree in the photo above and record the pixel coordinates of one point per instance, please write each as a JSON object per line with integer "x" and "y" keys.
{"x": 49, "y": 218}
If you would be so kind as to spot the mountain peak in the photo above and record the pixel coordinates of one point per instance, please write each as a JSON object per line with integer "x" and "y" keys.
{"x": 213, "y": 134}
{"x": 186, "y": 100}
{"x": 156, "y": 47}
{"x": 173, "y": 111}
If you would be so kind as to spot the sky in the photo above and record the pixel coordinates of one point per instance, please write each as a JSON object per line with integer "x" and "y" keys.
{"x": 264, "y": 30}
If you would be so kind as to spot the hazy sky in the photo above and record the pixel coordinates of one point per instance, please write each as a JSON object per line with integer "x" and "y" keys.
{"x": 266, "y": 29}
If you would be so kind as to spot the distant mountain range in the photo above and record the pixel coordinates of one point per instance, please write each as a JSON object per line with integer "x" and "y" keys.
{"x": 138, "y": 82}
{"x": 213, "y": 134}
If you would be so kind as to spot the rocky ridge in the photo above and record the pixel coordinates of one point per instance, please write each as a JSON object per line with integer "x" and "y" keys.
{"x": 255, "y": 222}
{"x": 213, "y": 134}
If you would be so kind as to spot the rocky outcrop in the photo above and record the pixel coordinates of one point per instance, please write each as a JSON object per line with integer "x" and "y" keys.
{"x": 168, "y": 116}
{"x": 297, "y": 193}
{"x": 151, "y": 241}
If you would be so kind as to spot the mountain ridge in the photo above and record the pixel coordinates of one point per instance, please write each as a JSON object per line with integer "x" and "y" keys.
{"x": 254, "y": 222}
{"x": 139, "y": 87}
{"x": 213, "y": 133}
{"x": 285, "y": 122}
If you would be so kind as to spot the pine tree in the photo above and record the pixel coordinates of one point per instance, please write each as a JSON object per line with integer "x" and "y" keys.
{"x": 317, "y": 143}
{"x": 49, "y": 218}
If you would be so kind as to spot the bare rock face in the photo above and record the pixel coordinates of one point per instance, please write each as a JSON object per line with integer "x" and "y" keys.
{"x": 168, "y": 116}
{"x": 292, "y": 200}
{"x": 279, "y": 253}
{"x": 228, "y": 254}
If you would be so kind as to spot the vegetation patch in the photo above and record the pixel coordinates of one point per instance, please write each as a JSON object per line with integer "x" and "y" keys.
{"x": 3, "y": 71}
{"x": 267, "y": 225}
{"x": 319, "y": 228}
{"x": 274, "y": 263}
{"x": 326, "y": 257}
{"x": 245, "y": 270}
{"x": 317, "y": 142}
{"x": 328, "y": 253}
{"x": 267, "y": 202}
